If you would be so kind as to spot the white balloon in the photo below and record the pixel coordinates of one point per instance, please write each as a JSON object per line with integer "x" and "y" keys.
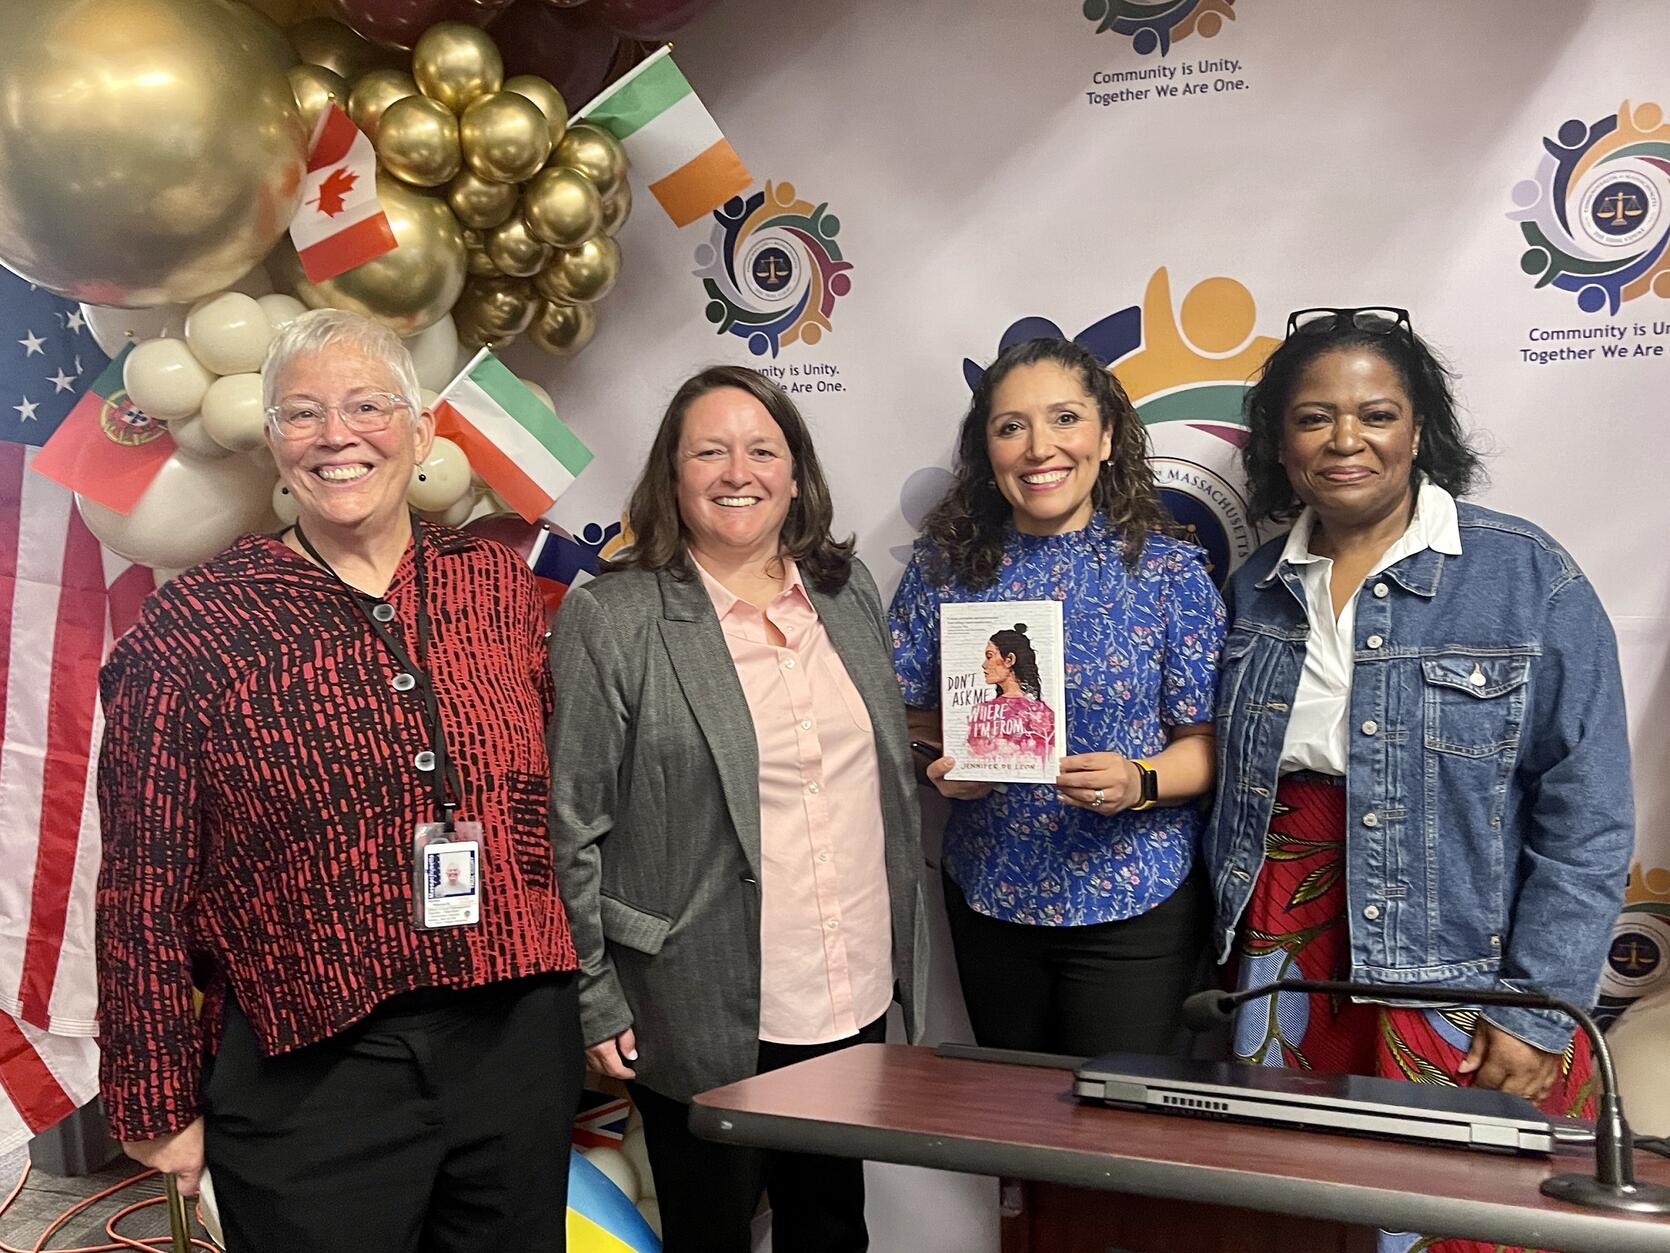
{"x": 456, "y": 516}
{"x": 636, "y": 1151}
{"x": 428, "y": 399}
{"x": 228, "y": 333}
{"x": 650, "y": 1208}
{"x": 190, "y": 436}
{"x": 280, "y": 309}
{"x": 539, "y": 391}
{"x": 192, "y": 510}
{"x": 441, "y": 480}
{"x": 434, "y": 352}
{"x": 114, "y": 329}
{"x": 613, "y": 1163}
{"x": 284, "y": 505}
{"x": 164, "y": 379}
{"x": 232, "y": 412}
{"x": 1643, "y": 1063}
{"x": 256, "y": 283}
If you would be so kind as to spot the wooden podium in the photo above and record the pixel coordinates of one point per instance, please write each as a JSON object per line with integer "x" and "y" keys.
{"x": 1107, "y": 1179}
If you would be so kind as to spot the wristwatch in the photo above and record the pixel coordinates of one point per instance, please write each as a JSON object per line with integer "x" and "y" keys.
{"x": 1150, "y": 785}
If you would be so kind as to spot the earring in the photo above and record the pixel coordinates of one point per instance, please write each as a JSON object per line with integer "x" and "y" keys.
{"x": 422, "y": 477}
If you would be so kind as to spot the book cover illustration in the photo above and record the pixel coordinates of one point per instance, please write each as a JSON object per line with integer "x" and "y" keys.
{"x": 1002, "y": 690}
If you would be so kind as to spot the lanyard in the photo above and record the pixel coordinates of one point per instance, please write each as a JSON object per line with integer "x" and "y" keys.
{"x": 443, "y": 775}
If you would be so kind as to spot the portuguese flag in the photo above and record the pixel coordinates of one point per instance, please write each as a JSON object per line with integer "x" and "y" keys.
{"x": 107, "y": 449}
{"x": 520, "y": 448}
{"x": 670, "y": 138}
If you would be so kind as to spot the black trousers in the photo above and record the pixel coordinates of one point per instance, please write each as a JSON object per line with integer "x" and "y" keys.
{"x": 708, "y": 1192}
{"x": 440, "y": 1124}
{"x": 1080, "y": 991}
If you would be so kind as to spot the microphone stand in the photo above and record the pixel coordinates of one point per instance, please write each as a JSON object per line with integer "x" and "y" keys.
{"x": 1612, "y": 1186}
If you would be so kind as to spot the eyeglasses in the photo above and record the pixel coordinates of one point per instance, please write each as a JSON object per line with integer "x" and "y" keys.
{"x": 1376, "y": 320}
{"x": 363, "y": 415}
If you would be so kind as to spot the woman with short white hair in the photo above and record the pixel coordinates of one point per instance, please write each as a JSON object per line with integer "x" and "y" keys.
{"x": 323, "y": 794}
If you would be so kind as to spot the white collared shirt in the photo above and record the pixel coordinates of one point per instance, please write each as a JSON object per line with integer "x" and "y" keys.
{"x": 1316, "y": 733}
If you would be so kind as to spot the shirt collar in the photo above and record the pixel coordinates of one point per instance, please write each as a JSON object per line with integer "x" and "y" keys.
{"x": 1433, "y": 526}
{"x": 725, "y": 601}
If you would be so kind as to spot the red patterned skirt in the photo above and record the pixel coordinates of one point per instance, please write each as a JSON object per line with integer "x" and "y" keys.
{"x": 1295, "y": 927}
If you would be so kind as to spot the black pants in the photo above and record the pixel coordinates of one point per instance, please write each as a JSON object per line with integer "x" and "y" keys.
{"x": 440, "y": 1124}
{"x": 708, "y": 1192}
{"x": 1081, "y": 991}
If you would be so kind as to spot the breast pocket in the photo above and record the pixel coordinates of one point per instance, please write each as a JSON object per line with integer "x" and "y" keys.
{"x": 1232, "y": 668}
{"x": 1474, "y": 705}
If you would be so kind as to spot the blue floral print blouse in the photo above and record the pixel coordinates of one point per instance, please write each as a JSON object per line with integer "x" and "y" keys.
{"x": 1142, "y": 656}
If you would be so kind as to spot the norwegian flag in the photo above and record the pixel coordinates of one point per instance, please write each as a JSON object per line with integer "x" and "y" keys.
{"x": 340, "y": 223}
{"x": 601, "y": 1122}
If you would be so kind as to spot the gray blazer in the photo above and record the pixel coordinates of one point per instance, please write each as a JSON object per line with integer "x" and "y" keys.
{"x": 655, "y": 819}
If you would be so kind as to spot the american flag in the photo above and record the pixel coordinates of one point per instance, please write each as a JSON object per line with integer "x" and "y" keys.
{"x": 62, "y": 600}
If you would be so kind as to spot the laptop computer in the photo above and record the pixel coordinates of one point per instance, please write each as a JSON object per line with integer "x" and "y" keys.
{"x": 1472, "y": 1118}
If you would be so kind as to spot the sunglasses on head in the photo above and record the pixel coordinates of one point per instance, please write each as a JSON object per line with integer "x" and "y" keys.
{"x": 1376, "y": 320}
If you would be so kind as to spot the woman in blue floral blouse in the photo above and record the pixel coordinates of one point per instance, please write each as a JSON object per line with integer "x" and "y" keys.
{"x": 1077, "y": 924}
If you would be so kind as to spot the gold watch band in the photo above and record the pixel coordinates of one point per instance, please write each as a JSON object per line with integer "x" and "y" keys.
{"x": 1147, "y": 771}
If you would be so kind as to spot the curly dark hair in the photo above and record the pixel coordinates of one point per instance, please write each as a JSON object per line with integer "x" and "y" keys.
{"x": 1446, "y": 455}
{"x": 659, "y": 541}
{"x": 1014, "y": 643}
{"x": 967, "y": 526}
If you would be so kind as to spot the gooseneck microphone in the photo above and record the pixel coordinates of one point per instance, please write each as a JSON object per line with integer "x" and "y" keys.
{"x": 1613, "y": 1185}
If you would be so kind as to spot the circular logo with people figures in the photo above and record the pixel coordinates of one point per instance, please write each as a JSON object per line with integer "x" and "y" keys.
{"x": 772, "y": 269}
{"x": 1154, "y": 25}
{"x": 1594, "y": 215}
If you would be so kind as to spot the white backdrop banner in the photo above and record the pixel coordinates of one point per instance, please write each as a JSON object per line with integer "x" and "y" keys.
{"x": 1164, "y": 181}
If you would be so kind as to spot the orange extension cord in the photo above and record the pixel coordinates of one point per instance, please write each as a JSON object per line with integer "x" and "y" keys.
{"x": 119, "y": 1241}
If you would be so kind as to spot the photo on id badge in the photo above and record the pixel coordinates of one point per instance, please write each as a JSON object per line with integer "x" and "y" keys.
{"x": 450, "y": 879}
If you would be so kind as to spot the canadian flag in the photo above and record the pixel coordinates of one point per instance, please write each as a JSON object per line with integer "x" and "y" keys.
{"x": 340, "y": 223}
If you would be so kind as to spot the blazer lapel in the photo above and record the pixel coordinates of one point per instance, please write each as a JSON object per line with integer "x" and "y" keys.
{"x": 701, "y": 661}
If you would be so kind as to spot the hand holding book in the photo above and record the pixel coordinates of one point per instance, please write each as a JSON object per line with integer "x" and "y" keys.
{"x": 1103, "y": 783}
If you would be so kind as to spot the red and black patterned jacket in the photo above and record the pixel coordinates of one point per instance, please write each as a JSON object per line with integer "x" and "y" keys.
{"x": 258, "y": 798}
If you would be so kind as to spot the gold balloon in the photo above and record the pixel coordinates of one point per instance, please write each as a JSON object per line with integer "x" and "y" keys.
{"x": 479, "y": 203}
{"x": 151, "y": 151}
{"x": 563, "y": 330}
{"x": 287, "y": 12}
{"x": 476, "y": 260}
{"x": 617, "y": 208}
{"x": 498, "y": 306}
{"x": 514, "y": 251}
{"x": 371, "y": 95}
{"x": 407, "y": 289}
{"x": 595, "y": 153}
{"x": 327, "y": 42}
{"x": 581, "y": 275}
{"x": 472, "y": 337}
{"x": 547, "y": 97}
{"x": 316, "y": 88}
{"x": 417, "y": 140}
{"x": 562, "y": 207}
{"x": 454, "y": 63}
{"x": 505, "y": 137}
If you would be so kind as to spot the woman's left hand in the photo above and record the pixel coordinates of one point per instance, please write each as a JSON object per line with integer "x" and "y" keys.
{"x": 1505, "y": 1061}
{"x": 1084, "y": 775}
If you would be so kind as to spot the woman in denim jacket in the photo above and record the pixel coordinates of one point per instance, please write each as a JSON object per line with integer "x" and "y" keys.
{"x": 1423, "y": 774}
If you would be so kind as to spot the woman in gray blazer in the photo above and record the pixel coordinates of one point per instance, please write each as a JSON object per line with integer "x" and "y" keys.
{"x": 733, "y": 808}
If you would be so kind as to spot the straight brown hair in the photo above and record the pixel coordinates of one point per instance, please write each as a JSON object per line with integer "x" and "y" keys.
{"x": 659, "y": 541}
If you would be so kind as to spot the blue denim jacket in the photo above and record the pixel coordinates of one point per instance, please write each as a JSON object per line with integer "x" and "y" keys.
{"x": 1490, "y": 817}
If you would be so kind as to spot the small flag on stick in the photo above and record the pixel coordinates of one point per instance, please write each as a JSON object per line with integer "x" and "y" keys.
{"x": 520, "y": 447}
{"x": 107, "y": 449}
{"x": 670, "y": 138}
{"x": 340, "y": 223}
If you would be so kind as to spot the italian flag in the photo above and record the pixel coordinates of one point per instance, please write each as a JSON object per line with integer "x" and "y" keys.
{"x": 519, "y": 447}
{"x": 670, "y": 138}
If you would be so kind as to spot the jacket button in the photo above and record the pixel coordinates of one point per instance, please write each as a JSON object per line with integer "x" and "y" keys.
{"x": 1241, "y": 875}
{"x": 403, "y": 682}
{"x": 1374, "y": 641}
{"x": 1381, "y": 591}
{"x": 1370, "y": 727}
{"x": 1371, "y": 912}
{"x": 383, "y": 612}
{"x": 424, "y": 760}
{"x": 1371, "y": 819}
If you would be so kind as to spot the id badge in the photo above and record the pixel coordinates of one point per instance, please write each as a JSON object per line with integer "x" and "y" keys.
{"x": 447, "y": 875}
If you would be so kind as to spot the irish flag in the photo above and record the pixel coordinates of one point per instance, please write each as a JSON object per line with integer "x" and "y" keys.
{"x": 670, "y": 138}
{"x": 519, "y": 447}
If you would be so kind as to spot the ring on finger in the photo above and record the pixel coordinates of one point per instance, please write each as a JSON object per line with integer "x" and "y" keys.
{"x": 1096, "y": 799}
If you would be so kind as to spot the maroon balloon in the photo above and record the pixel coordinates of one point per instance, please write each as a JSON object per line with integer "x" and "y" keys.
{"x": 570, "y": 47}
{"x": 398, "y": 23}
{"x": 650, "y": 19}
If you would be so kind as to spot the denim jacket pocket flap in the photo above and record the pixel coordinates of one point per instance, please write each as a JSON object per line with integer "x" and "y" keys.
{"x": 635, "y": 928}
{"x": 1482, "y": 677}
{"x": 1238, "y": 645}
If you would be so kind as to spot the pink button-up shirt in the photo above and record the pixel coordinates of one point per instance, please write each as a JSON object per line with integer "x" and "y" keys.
{"x": 826, "y": 941}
